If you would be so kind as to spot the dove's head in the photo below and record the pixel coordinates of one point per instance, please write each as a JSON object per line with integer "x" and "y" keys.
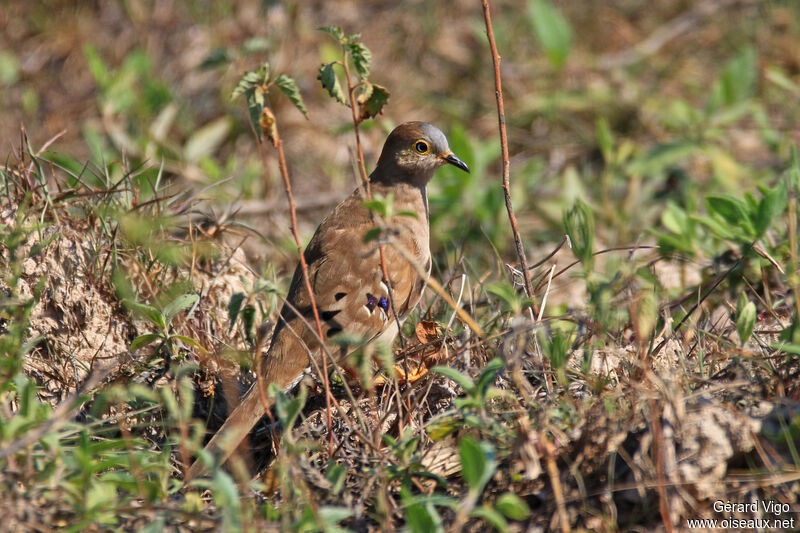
{"x": 412, "y": 152}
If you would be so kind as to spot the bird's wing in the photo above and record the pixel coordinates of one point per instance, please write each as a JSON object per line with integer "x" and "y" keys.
{"x": 347, "y": 281}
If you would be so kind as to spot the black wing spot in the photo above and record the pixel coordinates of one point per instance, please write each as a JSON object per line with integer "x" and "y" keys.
{"x": 333, "y": 331}
{"x": 339, "y": 295}
{"x": 327, "y": 316}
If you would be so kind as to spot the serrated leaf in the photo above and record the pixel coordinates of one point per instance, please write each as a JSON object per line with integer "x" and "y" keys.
{"x": 255, "y": 105}
{"x": 234, "y": 306}
{"x": 143, "y": 340}
{"x": 182, "y": 302}
{"x": 250, "y": 80}
{"x": 362, "y": 57}
{"x": 289, "y": 88}
{"x": 327, "y": 76}
{"x": 373, "y": 105}
{"x": 335, "y": 32}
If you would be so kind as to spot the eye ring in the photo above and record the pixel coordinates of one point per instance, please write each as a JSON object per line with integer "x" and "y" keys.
{"x": 421, "y": 147}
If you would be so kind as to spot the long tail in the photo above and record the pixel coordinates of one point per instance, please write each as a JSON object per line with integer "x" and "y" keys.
{"x": 234, "y": 430}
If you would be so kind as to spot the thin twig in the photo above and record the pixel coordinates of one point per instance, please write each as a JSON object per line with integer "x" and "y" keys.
{"x": 278, "y": 144}
{"x": 501, "y": 118}
{"x": 365, "y": 180}
{"x": 663, "y": 497}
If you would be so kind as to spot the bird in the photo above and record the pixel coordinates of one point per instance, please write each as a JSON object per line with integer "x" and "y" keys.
{"x": 346, "y": 275}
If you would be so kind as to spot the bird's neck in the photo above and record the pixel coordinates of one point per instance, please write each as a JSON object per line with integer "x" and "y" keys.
{"x": 407, "y": 197}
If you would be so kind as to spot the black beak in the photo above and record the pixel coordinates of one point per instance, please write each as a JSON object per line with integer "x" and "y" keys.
{"x": 456, "y": 162}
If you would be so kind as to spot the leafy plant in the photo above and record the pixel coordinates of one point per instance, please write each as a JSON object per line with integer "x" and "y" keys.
{"x": 162, "y": 319}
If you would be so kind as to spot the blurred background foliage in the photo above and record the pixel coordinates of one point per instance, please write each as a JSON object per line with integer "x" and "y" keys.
{"x": 638, "y": 108}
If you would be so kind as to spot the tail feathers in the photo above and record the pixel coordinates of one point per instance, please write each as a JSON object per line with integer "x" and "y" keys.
{"x": 239, "y": 423}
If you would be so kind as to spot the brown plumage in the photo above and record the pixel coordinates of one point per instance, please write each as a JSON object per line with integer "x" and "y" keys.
{"x": 345, "y": 274}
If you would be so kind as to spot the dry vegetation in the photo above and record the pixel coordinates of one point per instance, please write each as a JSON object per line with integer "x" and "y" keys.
{"x": 146, "y": 247}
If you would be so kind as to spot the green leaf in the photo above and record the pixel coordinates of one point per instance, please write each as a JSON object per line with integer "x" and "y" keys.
{"x": 335, "y": 32}
{"x": 330, "y": 82}
{"x": 731, "y": 209}
{"x": 372, "y": 233}
{"x": 255, "y": 106}
{"x": 551, "y": 29}
{"x": 250, "y": 80}
{"x": 737, "y": 81}
{"x": 508, "y": 296}
{"x": 464, "y": 381}
{"x": 771, "y": 205}
{"x": 493, "y": 517}
{"x": 144, "y": 340}
{"x": 488, "y": 375}
{"x": 331, "y": 515}
{"x": 219, "y": 56}
{"x": 419, "y": 520}
{"x": 289, "y": 88}
{"x": 579, "y": 225}
{"x": 513, "y": 506}
{"x": 204, "y": 141}
{"x": 605, "y": 140}
{"x": 337, "y": 475}
{"x": 745, "y": 318}
{"x": 146, "y": 311}
{"x": 477, "y": 463}
{"x": 234, "y": 306}
{"x": 674, "y": 219}
{"x": 377, "y": 205}
{"x": 188, "y": 341}
{"x": 362, "y": 58}
{"x": 181, "y": 303}
{"x": 287, "y": 407}
{"x": 372, "y": 106}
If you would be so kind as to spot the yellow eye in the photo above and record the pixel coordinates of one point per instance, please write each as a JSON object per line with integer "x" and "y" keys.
{"x": 421, "y": 147}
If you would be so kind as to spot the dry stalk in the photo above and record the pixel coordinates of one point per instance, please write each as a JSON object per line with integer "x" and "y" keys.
{"x": 501, "y": 118}
{"x": 663, "y": 497}
{"x": 278, "y": 144}
{"x": 365, "y": 181}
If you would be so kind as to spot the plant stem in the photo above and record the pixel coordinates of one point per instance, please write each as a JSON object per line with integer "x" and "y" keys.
{"x": 501, "y": 117}
{"x": 365, "y": 179}
{"x": 278, "y": 144}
